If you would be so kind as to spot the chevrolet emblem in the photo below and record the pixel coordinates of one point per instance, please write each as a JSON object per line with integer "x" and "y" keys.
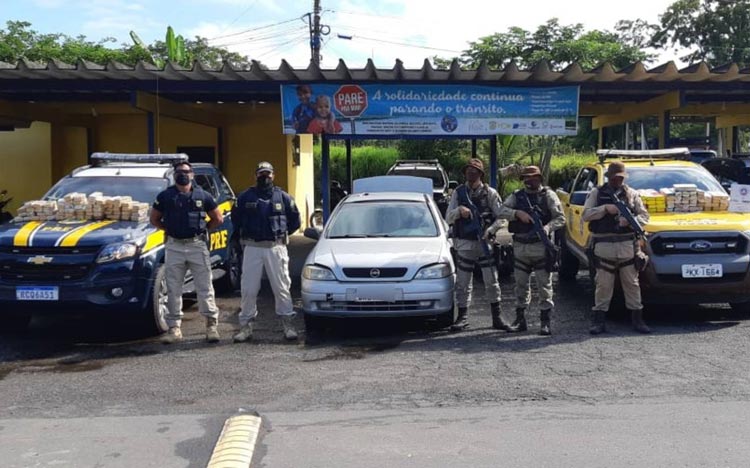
{"x": 39, "y": 260}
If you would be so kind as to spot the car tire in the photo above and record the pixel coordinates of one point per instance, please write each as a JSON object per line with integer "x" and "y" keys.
{"x": 446, "y": 319}
{"x": 232, "y": 278}
{"x": 15, "y": 322}
{"x": 569, "y": 263}
{"x": 313, "y": 324}
{"x": 155, "y": 316}
{"x": 742, "y": 307}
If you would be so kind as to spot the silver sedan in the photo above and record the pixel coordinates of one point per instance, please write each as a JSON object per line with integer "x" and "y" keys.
{"x": 385, "y": 252}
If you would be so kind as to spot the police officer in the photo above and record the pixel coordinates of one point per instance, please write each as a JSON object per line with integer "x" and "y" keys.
{"x": 469, "y": 232}
{"x": 529, "y": 251}
{"x": 615, "y": 247}
{"x": 266, "y": 216}
{"x": 181, "y": 211}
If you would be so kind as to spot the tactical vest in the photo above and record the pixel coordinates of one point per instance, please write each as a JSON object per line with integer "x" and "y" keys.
{"x": 263, "y": 220}
{"x": 466, "y": 228}
{"x": 536, "y": 199}
{"x": 186, "y": 217}
{"x": 609, "y": 223}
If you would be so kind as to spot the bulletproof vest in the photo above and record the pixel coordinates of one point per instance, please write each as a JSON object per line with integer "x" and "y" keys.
{"x": 187, "y": 216}
{"x": 468, "y": 228}
{"x": 539, "y": 200}
{"x": 609, "y": 224}
{"x": 263, "y": 219}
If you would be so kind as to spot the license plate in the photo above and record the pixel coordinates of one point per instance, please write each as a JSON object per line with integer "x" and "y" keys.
{"x": 710, "y": 270}
{"x": 40, "y": 293}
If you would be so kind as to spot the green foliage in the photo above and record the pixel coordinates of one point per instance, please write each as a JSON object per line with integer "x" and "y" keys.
{"x": 716, "y": 31}
{"x": 19, "y": 41}
{"x": 560, "y": 45}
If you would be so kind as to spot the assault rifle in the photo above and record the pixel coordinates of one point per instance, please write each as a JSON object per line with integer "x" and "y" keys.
{"x": 552, "y": 251}
{"x": 476, "y": 223}
{"x": 625, "y": 213}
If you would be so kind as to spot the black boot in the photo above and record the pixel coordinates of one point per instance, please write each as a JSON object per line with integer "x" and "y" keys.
{"x": 639, "y": 325}
{"x": 497, "y": 319}
{"x": 545, "y": 329}
{"x": 461, "y": 321}
{"x": 519, "y": 324}
{"x": 597, "y": 322}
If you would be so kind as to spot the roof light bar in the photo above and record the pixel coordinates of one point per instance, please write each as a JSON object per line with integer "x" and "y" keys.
{"x": 101, "y": 158}
{"x": 670, "y": 153}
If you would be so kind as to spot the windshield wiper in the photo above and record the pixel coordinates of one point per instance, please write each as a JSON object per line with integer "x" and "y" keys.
{"x": 349, "y": 236}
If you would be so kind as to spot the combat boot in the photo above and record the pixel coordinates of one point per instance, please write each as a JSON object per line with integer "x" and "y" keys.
{"x": 598, "y": 323}
{"x": 461, "y": 321}
{"x": 519, "y": 324}
{"x": 289, "y": 332}
{"x": 245, "y": 333}
{"x": 545, "y": 330}
{"x": 639, "y": 325}
{"x": 173, "y": 335}
{"x": 212, "y": 330}
{"x": 497, "y": 319}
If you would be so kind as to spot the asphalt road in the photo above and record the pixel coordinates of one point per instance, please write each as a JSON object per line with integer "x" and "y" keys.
{"x": 92, "y": 392}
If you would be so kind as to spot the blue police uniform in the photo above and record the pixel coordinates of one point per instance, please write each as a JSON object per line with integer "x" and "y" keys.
{"x": 184, "y": 216}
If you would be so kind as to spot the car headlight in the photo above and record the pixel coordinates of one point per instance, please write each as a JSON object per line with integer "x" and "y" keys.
{"x": 114, "y": 252}
{"x": 318, "y": 273}
{"x": 436, "y": 271}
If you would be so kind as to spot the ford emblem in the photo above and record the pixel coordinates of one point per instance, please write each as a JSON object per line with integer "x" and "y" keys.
{"x": 374, "y": 273}
{"x": 700, "y": 245}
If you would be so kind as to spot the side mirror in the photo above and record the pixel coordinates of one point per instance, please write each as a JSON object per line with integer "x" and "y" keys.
{"x": 453, "y": 185}
{"x": 579, "y": 198}
{"x": 312, "y": 233}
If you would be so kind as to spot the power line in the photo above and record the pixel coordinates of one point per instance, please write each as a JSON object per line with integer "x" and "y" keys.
{"x": 262, "y": 37}
{"x": 374, "y": 15}
{"x": 283, "y": 46}
{"x": 255, "y": 29}
{"x": 406, "y": 44}
{"x": 252, "y": 4}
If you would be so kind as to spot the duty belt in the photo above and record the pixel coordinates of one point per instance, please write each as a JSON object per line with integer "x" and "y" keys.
{"x": 614, "y": 238}
{"x": 189, "y": 240}
{"x": 526, "y": 239}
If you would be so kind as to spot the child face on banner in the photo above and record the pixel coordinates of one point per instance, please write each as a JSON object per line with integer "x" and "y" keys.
{"x": 304, "y": 95}
{"x": 323, "y": 107}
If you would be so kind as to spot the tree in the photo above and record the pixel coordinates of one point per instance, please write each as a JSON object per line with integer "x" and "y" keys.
{"x": 715, "y": 31}
{"x": 560, "y": 45}
{"x": 18, "y": 41}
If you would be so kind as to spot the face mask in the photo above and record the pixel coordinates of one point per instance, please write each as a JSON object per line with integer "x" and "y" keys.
{"x": 182, "y": 179}
{"x": 264, "y": 182}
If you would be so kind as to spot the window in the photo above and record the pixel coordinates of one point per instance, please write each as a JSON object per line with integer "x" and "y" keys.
{"x": 384, "y": 219}
{"x": 206, "y": 182}
{"x": 583, "y": 181}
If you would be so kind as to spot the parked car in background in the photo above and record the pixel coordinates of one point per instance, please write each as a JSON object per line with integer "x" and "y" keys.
{"x": 385, "y": 252}
{"x": 430, "y": 169}
{"x": 700, "y": 155}
{"x": 728, "y": 171}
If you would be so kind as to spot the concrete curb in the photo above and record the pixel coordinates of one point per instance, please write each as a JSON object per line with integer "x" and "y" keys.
{"x": 236, "y": 443}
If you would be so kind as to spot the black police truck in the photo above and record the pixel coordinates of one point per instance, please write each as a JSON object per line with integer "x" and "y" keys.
{"x": 61, "y": 266}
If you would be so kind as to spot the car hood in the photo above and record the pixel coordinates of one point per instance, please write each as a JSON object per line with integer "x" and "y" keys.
{"x": 73, "y": 233}
{"x": 700, "y": 221}
{"x": 409, "y": 253}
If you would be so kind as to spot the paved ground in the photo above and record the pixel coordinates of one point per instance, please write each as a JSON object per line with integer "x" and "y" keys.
{"x": 67, "y": 379}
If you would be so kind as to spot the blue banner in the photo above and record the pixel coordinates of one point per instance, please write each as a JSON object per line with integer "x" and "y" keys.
{"x": 439, "y": 110}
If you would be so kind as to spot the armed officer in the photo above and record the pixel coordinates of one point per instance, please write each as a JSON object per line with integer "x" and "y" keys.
{"x": 473, "y": 208}
{"x": 615, "y": 247}
{"x": 181, "y": 211}
{"x": 266, "y": 216}
{"x": 529, "y": 252}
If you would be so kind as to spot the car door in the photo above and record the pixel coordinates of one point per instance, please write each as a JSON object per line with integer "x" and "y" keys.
{"x": 577, "y": 230}
{"x": 211, "y": 181}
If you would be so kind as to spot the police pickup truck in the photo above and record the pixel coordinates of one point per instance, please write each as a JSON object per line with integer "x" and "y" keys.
{"x": 696, "y": 257}
{"x": 64, "y": 266}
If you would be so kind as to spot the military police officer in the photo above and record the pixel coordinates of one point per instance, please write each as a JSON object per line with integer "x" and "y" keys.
{"x": 615, "y": 247}
{"x": 473, "y": 209}
{"x": 529, "y": 252}
{"x": 181, "y": 211}
{"x": 266, "y": 216}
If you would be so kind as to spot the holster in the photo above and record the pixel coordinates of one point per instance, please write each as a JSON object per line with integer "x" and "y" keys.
{"x": 552, "y": 260}
{"x": 640, "y": 259}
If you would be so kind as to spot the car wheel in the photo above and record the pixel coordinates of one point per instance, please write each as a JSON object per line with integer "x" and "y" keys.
{"x": 313, "y": 324}
{"x": 316, "y": 219}
{"x": 743, "y": 307}
{"x": 230, "y": 282}
{"x": 446, "y": 319}
{"x": 16, "y": 321}
{"x": 569, "y": 263}
{"x": 155, "y": 317}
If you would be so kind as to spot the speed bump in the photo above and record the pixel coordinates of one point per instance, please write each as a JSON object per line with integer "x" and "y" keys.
{"x": 236, "y": 443}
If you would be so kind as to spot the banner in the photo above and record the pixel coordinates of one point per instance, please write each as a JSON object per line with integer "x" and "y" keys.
{"x": 437, "y": 110}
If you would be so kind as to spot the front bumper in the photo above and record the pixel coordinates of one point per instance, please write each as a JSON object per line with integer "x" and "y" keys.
{"x": 381, "y": 299}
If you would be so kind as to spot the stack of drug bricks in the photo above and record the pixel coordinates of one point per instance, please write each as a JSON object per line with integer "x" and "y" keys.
{"x": 77, "y": 206}
{"x": 683, "y": 198}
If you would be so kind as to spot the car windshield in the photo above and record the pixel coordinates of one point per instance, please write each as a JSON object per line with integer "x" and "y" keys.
{"x": 142, "y": 189}
{"x": 437, "y": 177}
{"x": 659, "y": 177}
{"x": 384, "y": 218}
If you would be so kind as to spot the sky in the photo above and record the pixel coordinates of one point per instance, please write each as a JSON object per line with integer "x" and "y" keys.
{"x": 272, "y": 30}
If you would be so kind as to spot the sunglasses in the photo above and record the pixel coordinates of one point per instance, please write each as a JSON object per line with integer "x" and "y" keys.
{"x": 183, "y": 172}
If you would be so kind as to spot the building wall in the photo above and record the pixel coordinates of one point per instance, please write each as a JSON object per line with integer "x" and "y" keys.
{"x": 69, "y": 148}
{"x": 121, "y": 133}
{"x": 172, "y": 133}
{"x": 25, "y": 159}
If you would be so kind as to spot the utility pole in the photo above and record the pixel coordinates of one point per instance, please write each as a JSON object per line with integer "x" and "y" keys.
{"x": 315, "y": 38}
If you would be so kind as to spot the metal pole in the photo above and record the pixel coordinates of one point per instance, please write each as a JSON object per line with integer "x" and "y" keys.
{"x": 493, "y": 161}
{"x": 473, "y": 147}
{"x": 349, "y": 180}
{"x": 325, "y": 188}
{"x": 316, "y": 33}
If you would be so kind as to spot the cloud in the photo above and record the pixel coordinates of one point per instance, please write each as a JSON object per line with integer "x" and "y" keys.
{"x": 49, "y": 3}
